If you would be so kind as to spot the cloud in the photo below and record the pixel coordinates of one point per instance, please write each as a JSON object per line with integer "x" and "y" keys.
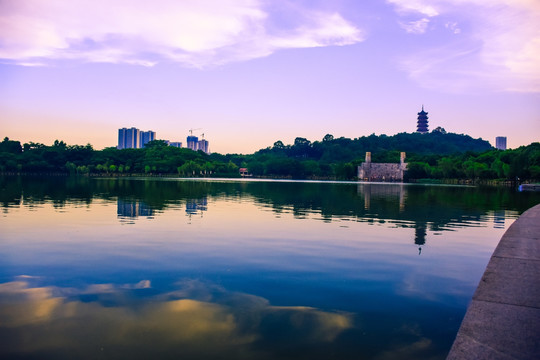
{"x": 498, "y": 47}
{"x": 163, "y": 325}
{"x": 111, "y": 288}
{"x": 415, "y": 27}
{"x": 414, "y": 6}
{"x": 453, "y": 26}
{"x": 193, "y": 33}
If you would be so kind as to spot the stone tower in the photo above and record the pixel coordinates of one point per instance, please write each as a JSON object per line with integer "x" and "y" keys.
{"x": 422, "y": 126}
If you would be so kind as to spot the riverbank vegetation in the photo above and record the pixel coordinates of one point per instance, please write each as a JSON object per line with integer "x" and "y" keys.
{"x": 430, "y": 156}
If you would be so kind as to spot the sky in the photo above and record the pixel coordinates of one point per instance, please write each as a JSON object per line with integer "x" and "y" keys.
{"x": 246, "y": 73}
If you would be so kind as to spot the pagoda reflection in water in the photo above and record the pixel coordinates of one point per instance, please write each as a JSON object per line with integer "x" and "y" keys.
{"x": 399, "y": 195}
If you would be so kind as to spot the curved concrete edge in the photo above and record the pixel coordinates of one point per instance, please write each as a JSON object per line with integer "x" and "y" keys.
{"x": 503, "y": 319}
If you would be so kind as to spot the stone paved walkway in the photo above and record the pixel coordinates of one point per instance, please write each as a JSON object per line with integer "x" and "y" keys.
{"x": 503, "y": 319}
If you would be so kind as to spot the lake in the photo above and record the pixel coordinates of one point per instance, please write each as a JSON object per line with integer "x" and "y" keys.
{"x": 139, "y": 268}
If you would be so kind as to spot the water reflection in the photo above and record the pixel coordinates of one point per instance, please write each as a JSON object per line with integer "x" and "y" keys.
{"x": 273, "y": 270}
{"x": 195, "y": 320}
{"x": 440, "y": 207}
{"x": 133, "y": 209}
{"x": 196, "y": 206}
{"x": 499, "y": 217}
{"x": 426, "y": 209}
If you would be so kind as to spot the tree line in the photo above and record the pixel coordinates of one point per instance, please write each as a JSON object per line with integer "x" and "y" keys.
{"x": 436, "y": 155}
{"x": 156, "y": 158}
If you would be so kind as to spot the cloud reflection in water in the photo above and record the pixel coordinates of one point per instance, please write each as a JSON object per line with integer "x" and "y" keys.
{"x": 195, "y": 321}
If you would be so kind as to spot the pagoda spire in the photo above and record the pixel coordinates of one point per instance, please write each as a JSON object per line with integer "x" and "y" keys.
{"x": 422, "y": 124}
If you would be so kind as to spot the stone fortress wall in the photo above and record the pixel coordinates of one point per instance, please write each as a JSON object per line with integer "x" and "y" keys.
{"x": 369, "y": 171}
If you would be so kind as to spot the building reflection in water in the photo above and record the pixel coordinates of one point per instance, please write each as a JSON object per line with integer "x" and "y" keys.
{"x": 399, "y": 193}
{"x": 196, "y": 206}
{"x": 383, "y": 191}
{"x": 132, "y": 209}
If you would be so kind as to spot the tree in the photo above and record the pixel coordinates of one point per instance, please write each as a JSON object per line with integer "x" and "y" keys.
{"x": 418, "y": 170}
{"x": 232, "y": 168}
{"x": 439, "y": 129}
{"x": 535, "y": 171}
{"x": 10, "y": 146}
{"x": 328, "y": 137}
{"x": 32, "y": 146}
{"x": 447, "y": 168}
{"x": 8, "y": 161}
{"x": 155, "y": 143}
{"x": 59, "y": 144}
{"x": 82, "y": 169}
{"x": 208, "y": 168}
{"x": 256, "y": 168}
{"x": 301, "y": 142}
{"x": 345, "y": 171}
{"x": 311, "y": 168}
{"x": 71, "y": 168}
{"x": 189, "y": 168}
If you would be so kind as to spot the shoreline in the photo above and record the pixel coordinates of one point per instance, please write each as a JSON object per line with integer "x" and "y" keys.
{"x": 503, "y": 318}
{"x": 456, "y": 182}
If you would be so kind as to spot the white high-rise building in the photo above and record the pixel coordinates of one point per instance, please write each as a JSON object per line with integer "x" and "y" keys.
{"x": 134, "y": 138}
{"x": 500, "y": 142}
{"x": 146, "y": 136}
{"x": 128, "y": 138}
{"x": 203, "y": 145}
{"x": 192, "y": 142}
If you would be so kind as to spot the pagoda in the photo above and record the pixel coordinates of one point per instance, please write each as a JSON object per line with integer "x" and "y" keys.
{"x": 422, "y": 126}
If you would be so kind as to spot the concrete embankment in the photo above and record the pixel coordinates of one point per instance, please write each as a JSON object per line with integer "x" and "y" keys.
{"x": 503, "y": 319}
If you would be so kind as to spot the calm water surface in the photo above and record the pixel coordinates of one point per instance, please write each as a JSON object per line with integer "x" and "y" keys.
{"x": 170, "y": 268}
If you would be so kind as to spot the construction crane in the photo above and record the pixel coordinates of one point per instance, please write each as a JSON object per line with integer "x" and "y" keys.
{"x": 192, "y": 130}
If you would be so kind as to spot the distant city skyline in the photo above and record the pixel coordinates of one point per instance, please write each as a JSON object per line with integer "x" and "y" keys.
{"x": 133, "y": 138}
{"x": 253, "y": 72}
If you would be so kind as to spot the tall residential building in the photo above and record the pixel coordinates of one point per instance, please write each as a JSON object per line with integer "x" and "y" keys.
{"x": 145, "y": 137}
{"x": 192, "y": 142}
{"x": 203, "y": 145}
{"x": 500, "y": 142}
{"x": 121, "y": 138}
{"x": 422, "y": 125}
{"x": 177, "y": 144}
{"x": 128, "y": 138}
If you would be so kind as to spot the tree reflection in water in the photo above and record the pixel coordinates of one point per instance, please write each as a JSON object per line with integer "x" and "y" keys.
{"x": 315, "y": 277}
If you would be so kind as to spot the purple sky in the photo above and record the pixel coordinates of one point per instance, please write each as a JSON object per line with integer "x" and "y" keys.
{"x": 251, "y": 72}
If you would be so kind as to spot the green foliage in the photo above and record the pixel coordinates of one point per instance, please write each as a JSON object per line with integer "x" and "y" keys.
{"x": 430, "y": 156}
{"x": 418, "y": 170}
{"x": 278, "y": 145}
{"x": 522, "y": 163}
{"x": 10, "y": 146}
{"x": 156, "y": 158}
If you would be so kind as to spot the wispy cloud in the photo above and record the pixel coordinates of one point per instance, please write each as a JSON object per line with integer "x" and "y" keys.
{"x": 415, "y": 27}
{"x": 498, "y": 49}
{"x": 453, "y": 26}
{"x": 415, "y": 6}
{"x": 194, "y": 33}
